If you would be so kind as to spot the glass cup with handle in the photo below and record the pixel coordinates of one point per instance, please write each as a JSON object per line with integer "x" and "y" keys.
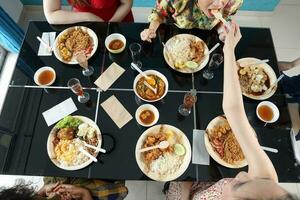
{"x": 76, "y": 87}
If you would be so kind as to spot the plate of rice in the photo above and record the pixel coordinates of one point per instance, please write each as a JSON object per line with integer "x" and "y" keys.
{"x": 186, "y": 53}
{"x": 163, "y": 164}
{"x": 65, "y": 139}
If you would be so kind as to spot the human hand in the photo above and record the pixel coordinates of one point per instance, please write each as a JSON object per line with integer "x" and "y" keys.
{"x": 148, "y": 34}
{"x": 48, "y": 190}
{"x": 232, "y": 36}
{"x": 70, "y": 191}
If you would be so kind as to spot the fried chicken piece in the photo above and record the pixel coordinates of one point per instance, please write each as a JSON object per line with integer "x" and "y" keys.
{"x": 66, "y": 134}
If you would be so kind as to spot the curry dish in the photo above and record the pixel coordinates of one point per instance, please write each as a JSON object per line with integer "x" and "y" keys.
{"x": 225, "y": 144}
{"x": 145, "y": 92}
{"x": 73, "y": 41}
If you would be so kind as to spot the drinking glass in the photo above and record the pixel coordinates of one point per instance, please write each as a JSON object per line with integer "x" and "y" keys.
{"x": 135, "y": 51}
{"x": 87, "y": 70}
{"x": 76, "y": 87}
{"x": 189, "y": 100}
{"x": 215, "y": 61}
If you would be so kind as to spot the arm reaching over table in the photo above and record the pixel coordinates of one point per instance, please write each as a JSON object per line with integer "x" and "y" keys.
{"x": 260, "y": 165}
{"x": 55, "y": 15}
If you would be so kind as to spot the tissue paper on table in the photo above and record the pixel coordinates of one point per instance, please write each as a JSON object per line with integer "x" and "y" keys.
{"x": 49, "y": 38}
{"x": 200, "y": 154}
{"x": 109, "y": 76}
{"x": 59, "y": 111}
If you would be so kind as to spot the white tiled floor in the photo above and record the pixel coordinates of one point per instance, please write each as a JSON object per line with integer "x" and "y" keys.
{"x": 284, "y": 24}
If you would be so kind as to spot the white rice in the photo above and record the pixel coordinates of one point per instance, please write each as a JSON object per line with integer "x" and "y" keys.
{"x": 166, "y": 164}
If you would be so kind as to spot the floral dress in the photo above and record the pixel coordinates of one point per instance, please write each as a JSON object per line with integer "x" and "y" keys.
{"x": 199, "y": 190}
{"x": 179, "y": 11}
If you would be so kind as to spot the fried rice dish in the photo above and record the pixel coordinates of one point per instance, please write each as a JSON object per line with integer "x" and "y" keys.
{"x": 253, "y": 80}
{"x": 185, "y": 49}
{"x": 225, "y": 144}
{"x": 73, "y": 41}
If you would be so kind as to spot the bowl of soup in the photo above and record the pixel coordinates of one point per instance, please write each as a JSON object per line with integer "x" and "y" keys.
{"x": 267, "y": 112}
{"x": 147, "y": 115}
{"x": 44, "y": 76}
{"x": 115, "y": 43}
{"x": 156, "y": 80}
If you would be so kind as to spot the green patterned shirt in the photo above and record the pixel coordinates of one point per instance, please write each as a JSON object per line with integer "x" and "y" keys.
{"x": 180, "y": 12}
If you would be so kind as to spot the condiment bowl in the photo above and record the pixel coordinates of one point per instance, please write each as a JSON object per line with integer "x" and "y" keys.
{"x": 146, "y": 107}
{"x": 151, "y": 72}
{"x": 115, "y": 36}
{"x": 273, "y": 107}
{"x": 39, "y": 71}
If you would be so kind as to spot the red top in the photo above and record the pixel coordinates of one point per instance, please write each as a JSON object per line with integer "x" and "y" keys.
{"x": 104, "y": 9}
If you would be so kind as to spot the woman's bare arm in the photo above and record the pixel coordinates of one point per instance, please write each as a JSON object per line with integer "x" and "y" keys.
{"x": 259, "y": 163}
{"x": 122, "y": 11}
{"x": 55, "y": 15}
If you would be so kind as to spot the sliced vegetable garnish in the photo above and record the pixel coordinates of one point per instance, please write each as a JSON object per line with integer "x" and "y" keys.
{"x": 179, "y": 149}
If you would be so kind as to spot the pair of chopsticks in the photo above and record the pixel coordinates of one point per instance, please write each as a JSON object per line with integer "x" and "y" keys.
{"x": 219, "y": 16}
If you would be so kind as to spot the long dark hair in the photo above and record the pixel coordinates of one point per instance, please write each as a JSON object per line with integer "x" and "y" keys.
{"x": 24, "y": 192}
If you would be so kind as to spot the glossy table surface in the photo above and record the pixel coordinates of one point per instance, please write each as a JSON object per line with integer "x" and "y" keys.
{"x": 24, "y": 132}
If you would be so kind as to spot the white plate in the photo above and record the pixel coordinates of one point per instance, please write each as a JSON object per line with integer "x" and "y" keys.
{"x": 216, "y": 122}
{"x": 50, "y": 147}
{"x": 268, "y": 70}
{"x": 187, "y": 70}
{"x": 186, "y": 159}
{"x": 85, "y": 29}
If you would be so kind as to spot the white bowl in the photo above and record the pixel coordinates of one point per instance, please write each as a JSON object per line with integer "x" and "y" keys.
{"x": 274, "y": 109}
{"x": 146, "y": 107}
{"x": 115, "y": 36}
{"x": 39, "y": 71}
{"x": 149, "y": 72}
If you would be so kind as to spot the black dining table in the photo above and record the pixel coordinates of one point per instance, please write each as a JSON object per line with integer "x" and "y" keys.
{"x": 24, "y": 132}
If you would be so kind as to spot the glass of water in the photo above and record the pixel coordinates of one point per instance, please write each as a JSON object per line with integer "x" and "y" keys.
{"x": 215, "y": 61}
{"x": 135, "y": 51}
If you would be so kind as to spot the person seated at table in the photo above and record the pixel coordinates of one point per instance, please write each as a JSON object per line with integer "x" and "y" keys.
{"x": 68, "y": 188}
{"x": 291, "y": 85}
{"x": 260, "y": 182}
{"x": 190, "y": 14}
{"x": 88, "y": 10}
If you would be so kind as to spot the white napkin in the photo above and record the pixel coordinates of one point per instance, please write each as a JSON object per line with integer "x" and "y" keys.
{"x": 200, "y": 154}
{"x": 49, "y": 38}
{"x": 59, "y": 111}
{"x": 116, "y": 111}
{"x": 295, "y": 145}
{"x": 295, "y": 71}
{"x": 111, "y": 74}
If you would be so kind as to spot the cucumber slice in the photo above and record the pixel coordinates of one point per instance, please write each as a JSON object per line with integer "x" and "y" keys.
{"x": 179, "y": 149}
{"x": 191, "y": 64}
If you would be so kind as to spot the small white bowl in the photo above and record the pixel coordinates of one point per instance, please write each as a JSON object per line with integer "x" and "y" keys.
{"x": 274, "y": 109}
{"x": 146, "y": 107}
{"x": 115, "y": 36}
{"x": 39, "y": 71}
{"x": 149, "y": 72}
